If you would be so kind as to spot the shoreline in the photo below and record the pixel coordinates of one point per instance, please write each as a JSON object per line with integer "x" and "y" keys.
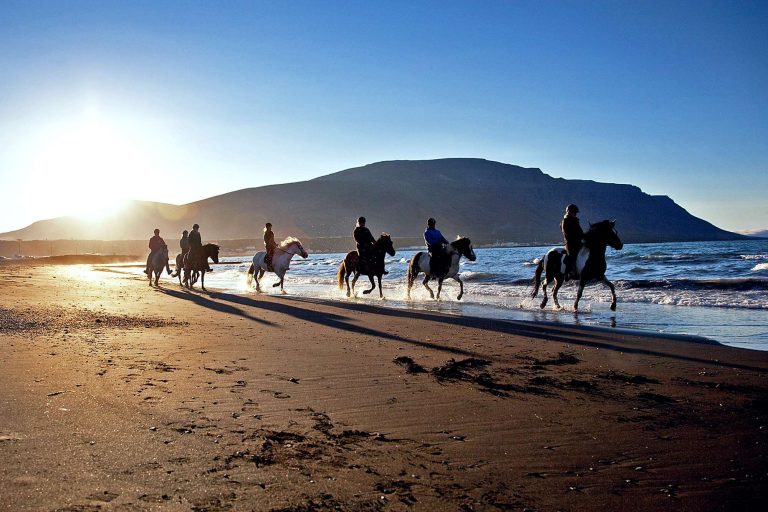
{"x": 119, "y": 396}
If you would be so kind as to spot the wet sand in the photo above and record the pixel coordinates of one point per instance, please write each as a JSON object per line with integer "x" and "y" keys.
{"x": 118, "y": 396}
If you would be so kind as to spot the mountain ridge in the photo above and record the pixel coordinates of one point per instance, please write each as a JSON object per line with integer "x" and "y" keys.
{"x": 486, "y": 200}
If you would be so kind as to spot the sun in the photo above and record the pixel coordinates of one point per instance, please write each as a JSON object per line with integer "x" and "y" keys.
{"x": 88, "y": 168}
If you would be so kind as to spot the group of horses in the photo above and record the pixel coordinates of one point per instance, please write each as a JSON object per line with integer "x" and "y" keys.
{"x": 590, "y": 265}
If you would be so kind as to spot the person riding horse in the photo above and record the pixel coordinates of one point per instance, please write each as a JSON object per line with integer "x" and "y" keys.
{"x": 364, "y": 241}
{"x": 269, "y": 244}
{"x": 436, "y": 243}
{"x": 184, "y": 244}
{"x": 155, "y": 244}
{"x": 195, "y": 248}
{"x": 573, "y": 238}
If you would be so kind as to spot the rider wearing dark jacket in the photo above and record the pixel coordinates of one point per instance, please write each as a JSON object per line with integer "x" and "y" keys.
{"x": 363, "y": 237}
{"x": 269, "y": 242}
{"x": 436, "y": 243}
{"x": 196, "y": 246}
{"x": 155, "y": 244}
{"x": 184, "y": 243}
{"x": 572, "y": 236}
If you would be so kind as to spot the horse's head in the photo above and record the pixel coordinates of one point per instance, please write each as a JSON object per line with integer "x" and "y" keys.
{"x": 212, "y": 251}
{"x": 293, "y": 246}
{"x": 604, "y": 232}
{"x": 464, "y": 246}
{"x": 384, "y": 243}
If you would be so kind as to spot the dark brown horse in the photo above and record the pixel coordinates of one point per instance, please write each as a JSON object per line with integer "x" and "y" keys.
{"x": 194, "y": 266}
{"x": 371, "y": 266}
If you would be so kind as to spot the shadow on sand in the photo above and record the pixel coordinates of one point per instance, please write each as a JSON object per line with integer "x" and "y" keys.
{"x": 594, "y": 337}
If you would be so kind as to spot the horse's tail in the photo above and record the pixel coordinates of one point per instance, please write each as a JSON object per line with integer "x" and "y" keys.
{"x": 250, "y": 275}
{"x": 413, "y": 268}
{"x": 340, "y": 273}
{"x": 537, "y": 278}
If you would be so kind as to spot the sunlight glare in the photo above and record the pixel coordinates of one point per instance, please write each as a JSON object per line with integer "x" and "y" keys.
{"x": 89, "y": 167}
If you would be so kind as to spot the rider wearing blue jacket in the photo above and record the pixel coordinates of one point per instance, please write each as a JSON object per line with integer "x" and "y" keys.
{"x": 436, "y": 243}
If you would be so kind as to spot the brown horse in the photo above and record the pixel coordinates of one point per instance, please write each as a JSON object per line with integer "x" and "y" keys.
{"x": 199, "y": 264}
{"x": 371, "y": 266}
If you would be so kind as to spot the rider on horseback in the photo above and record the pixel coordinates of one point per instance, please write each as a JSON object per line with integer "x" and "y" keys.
{"x": 155, "y": 244}
{"x": 269, "y": 244}
{"x": 184, "y": 244}
{"x": 573, "y": 237}
{"x": 363, "y": 239}
{"x": 196, "y": 247}
{"x": 436, "y": 243}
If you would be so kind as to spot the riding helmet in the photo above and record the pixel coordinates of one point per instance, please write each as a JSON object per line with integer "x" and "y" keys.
{"x": 431, "y": 222}
{"x": 157, "y": 231}
{"x": 196, "y": 226}
{"x": 571, "y": 208}
{"x": 361, "y": 220}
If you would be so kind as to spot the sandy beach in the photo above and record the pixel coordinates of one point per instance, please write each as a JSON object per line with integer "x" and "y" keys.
{"x": 118, "y": 396}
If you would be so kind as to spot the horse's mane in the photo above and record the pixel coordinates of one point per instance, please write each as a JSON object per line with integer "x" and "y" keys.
{"x": 460, "y": 240}
{"x": 597, "y": 228}
{"x": 288, "y": 241}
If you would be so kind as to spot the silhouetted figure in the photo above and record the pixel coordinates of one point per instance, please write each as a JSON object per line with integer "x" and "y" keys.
{"x": 184, "y": 244}
{"x": 363, "y": 239}
{"x": 196, "y": 247}
{"x": 436, "y": 242}
{"x": 155, "y": 244}
{"x": 573, "y": 238}
{"x": 269, "y": 244}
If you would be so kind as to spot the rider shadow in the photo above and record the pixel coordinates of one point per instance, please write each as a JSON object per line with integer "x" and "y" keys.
{"x": 340, "y": 322}
{"x": 201, "y": 300}
{"x": 584, "y": 335}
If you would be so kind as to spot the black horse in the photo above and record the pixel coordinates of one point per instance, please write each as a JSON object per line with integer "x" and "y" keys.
{"x": 590, "y": 263}
{"x": 194, "y": 266}
{"x": 371, "y": 266}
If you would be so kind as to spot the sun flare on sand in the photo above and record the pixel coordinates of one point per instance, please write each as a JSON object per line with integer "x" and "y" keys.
{"x": 90, "y": 166}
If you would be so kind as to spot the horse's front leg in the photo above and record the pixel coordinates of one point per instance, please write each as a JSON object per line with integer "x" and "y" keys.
{"x": 613, "y": 293}
{"x": 202, "y": 280}
{"x": 354, "y": 281}
{"x": 439, "y": 286}
{"x": 461, "y": 287}
{"x": 373, "y": 286}
{"x": 381, "y": 292}
{"x": 426, "y": 285}
{"x": 558, "y": 284}
{"x": 544, "y": 292}
{"x": 582, "y": 284}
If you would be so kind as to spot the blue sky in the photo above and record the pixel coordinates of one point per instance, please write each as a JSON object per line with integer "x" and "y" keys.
{"x": 177, "y": 101}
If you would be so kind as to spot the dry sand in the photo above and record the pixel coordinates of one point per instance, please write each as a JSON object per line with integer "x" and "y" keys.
{"x": 118, "y": 396}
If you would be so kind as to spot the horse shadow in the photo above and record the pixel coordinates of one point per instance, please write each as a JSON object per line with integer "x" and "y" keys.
{"x": 585, "y": 336}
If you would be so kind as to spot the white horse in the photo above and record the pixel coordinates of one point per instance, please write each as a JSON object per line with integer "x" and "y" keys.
{"x": 420, "y": 263}
{"x": 281, "y": 260}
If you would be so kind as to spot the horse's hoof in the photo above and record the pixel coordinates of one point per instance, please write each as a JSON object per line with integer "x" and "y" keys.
{"x": 284, "y": 292}
{"x": 542, "y": 305}
{"x": 613, "y": 307}
{"x": 458, "y": 297}
{"x": 366, "y": 292}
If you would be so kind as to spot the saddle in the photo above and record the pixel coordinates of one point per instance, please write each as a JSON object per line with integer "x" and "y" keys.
{"x": 439, "y": 263}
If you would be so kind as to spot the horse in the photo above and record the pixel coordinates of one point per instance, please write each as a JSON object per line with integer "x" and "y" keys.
{"x": 590, "y": 264}
{"x": 281, "y": 260}
{"x": 420, "y": 263}
{"x": 192, "y": 268}
{"x": 157, "y": 263}
{"x": 372, "y": 267}
{"x": 180, "y": 268}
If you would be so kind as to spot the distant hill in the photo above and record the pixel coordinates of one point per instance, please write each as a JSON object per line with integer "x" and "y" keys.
{"x": 757, "y": 233}
{"x": 488, "y": 201}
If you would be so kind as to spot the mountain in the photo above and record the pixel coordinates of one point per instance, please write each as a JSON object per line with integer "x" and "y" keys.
{"x": 485, "y": 200}
{"x": 756, "y": 233}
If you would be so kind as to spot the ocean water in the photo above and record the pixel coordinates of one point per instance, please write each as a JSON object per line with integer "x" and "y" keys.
{"x": 715, "y": 290}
